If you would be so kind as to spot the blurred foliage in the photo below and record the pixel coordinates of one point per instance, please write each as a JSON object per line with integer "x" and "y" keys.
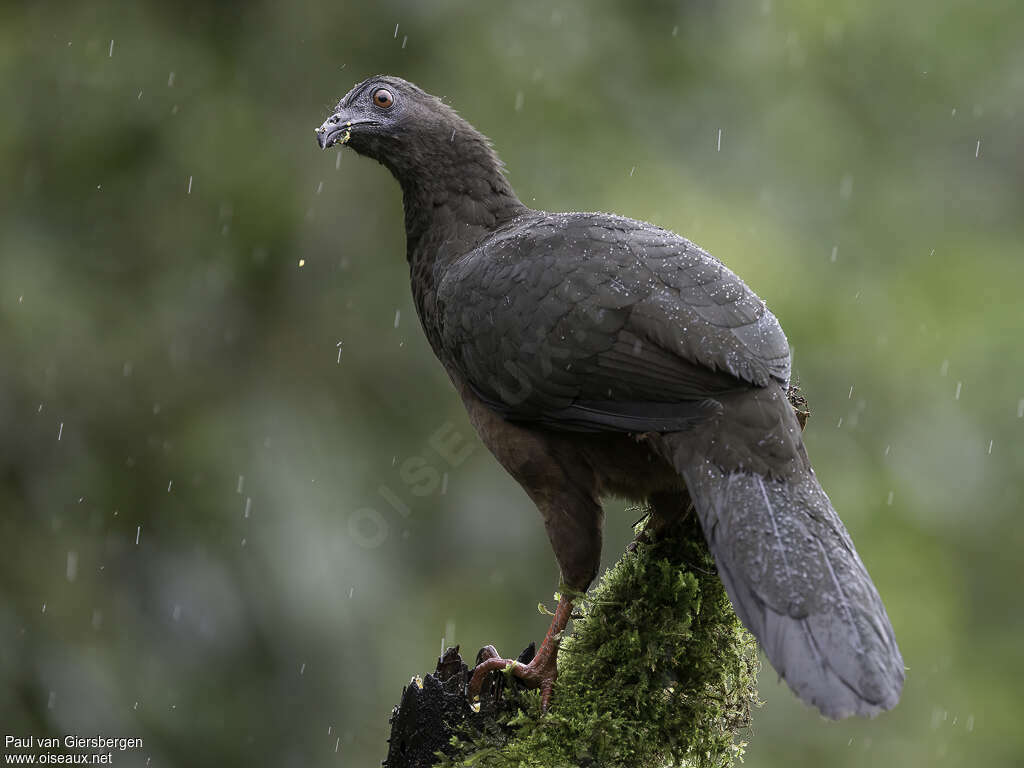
{"x": 213, "y": 377}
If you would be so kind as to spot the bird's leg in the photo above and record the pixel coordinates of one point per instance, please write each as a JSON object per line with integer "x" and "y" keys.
{"x": 539, "y": 673}
{"x": 666, "y": 509}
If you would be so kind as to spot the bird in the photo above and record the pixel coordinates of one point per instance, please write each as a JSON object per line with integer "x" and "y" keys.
{"x": 598, "y": 355}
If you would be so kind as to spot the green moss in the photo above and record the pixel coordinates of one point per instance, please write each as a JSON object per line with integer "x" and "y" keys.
{"x": 658, "y": 672}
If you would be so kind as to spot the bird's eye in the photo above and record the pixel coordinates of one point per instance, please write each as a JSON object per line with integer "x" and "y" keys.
{"x": 382, "y": 98}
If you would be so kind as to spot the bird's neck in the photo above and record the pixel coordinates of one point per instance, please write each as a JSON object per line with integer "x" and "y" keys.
{"x": 454, "y": 194}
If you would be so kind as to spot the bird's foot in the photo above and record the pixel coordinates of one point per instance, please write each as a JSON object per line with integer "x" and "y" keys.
{"x": 540, "y": 672}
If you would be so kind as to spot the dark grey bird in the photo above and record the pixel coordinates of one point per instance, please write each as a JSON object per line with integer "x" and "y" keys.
{"x": 600, "y": 355}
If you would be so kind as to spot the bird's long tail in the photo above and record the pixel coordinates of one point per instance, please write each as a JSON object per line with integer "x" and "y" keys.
{"x": 797, "y": 583}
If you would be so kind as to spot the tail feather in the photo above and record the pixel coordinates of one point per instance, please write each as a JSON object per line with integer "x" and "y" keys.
{"x": 796, "y": 581}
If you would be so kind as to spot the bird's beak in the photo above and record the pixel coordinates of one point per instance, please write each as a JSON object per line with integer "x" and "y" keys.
{"x": 337, "y": 129}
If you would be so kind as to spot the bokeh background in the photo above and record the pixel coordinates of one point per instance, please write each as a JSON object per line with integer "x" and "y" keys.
{"x": 212, "y": 375}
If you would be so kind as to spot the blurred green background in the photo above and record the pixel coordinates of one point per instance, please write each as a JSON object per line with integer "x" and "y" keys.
{"x": 212, "y": 372}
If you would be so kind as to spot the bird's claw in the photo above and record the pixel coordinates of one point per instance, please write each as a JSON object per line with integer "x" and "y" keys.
{"x": 541, "y": 672}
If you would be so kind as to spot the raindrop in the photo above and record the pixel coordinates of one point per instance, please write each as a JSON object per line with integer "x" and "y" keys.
{"x": 632, "y": 171}
{"x": 138, "y": 532}
{"x": 176, "y": 612}
{"x": 675, "y": 31}
{"x": 1020, "y": 409}
{"x": 835, "y": 253}
{"x": 719, "y": 147}
{"x": 444, "y": 483}
{"x": 189, "y": 185}
{"x": 351, "y": 590}
{"x": 51, "y": 700}
{"x": 44, "y": 607}
{"x": 959, "y": 386}
{"x": 977, "y": 148}
{"x": 405, "y": 40}
{"x": 241, "y": 482}
{"x": 337, "y": 161}
{"x": 398, "y": 315}
{"x": 990, "y": 442}
{"x": 72, "y": 566}
{"x": 169, "y": 484}
{"x": 944, "y": 368}
{"x": 970, "y": 722}
{"x": 170, "y": 80}
{"x": 110, "y": 55}
{"x": 337, "y": 744}
{"x": 97, "y": 619}
{"x": 850, "y": 396}
{"x": 302, "y": 669}
{"x": 396, "y": 31}
{"x": 60, "y": 430}
{"x": 248, "y": 506}
{"x": 319, "y": 187}
{"x": 519, "y": 103}
{"x": 887, "y": 449}
{"x": 891, "y": 496}
{"x": 339, "y": 353}
{"x": 840, "y": 424}
{"x": 846, "y": 187}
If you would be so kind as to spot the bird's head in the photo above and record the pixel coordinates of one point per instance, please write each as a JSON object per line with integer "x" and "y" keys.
{"x": 411, "y": 132}
{"x": 385, "y": 116}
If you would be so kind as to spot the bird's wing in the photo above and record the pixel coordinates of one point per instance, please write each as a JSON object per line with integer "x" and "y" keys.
{"x": 597, "y": 322}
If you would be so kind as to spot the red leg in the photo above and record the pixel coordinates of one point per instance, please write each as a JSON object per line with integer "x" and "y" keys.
{"x": 539, "y": 673}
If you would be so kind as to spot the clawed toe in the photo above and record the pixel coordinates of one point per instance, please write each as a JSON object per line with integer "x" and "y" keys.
{"x": 541, "y": 673}
{"x": 542, "y": 669}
